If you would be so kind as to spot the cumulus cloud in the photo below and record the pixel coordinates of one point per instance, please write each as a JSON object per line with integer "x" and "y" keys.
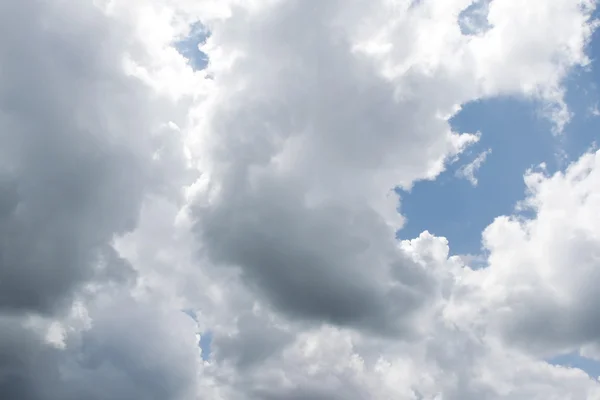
{"x": 543, "y": 269}
{"x": 259, "y": 193}
{"x": 301, "y": 154}
{"x": 303, "y": 208}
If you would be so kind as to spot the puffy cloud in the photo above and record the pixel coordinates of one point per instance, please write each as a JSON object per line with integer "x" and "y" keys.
{"x": 332, "y": 363}
{"x": 301, "y": 196}
{"x": 540, "y": 283}
{"x": 284, "y": 245}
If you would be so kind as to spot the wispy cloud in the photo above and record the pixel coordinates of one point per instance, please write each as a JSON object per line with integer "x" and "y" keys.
{"x": 469, "y": 171}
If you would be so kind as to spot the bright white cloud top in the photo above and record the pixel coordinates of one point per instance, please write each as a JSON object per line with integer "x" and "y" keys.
{"x": 257, "y": 195}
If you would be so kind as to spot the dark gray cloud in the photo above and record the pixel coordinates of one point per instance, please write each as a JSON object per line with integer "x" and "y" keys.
{"x": 76, "y": 150}
{"x": 314, "y": 263}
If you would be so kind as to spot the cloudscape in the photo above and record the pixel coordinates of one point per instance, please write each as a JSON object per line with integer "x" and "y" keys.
{"x": 299, "y": 200}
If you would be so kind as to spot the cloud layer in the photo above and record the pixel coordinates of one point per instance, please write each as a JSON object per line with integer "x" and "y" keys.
{"x": 257, "y": 195}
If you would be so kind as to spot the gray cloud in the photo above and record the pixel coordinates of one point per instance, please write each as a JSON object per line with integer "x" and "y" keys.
{"x": 304, "y": 156}
{"x": 79, "y": 140}
{"x": 255, "y": 341}
{"x": 132, "y": 351}
{"x": 76, "y": 150}
{"x": 306, "y": 265}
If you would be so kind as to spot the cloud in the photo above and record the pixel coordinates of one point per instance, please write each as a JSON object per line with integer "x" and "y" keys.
{"x": 78, "y": 140}
{"x": 82, "y": 144}
{"x": 542, "y": 269}
{"x": 130, "y": 350}
{"x": 300, "y": 155}
{"x": 259, "y": 193}
{"x": 468, "y": 171}
{"x": 329, "y": 363}
{"x": 301, "y": 206}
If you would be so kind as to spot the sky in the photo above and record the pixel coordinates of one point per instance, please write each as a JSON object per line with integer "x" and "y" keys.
{"x": 281, "y": 200}
{"x": 519, "y": 139}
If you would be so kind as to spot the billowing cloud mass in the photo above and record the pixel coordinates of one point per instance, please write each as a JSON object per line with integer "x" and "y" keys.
{"x": 230, "y": 233}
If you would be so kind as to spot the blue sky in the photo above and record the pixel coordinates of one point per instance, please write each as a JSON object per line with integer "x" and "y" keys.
{"x": 188, "y": 46}
{"x": 519, "y": 137}
{"x": 205, "y": 340}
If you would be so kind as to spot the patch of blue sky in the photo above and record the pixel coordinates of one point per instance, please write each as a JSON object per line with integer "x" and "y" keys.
{"x": 189, "y": 46}
{"x": 205, "y": 337}
{"x": 519, "y": 138}
{"x": 574, "y": 360}
{"x": 452, "y": 207}
{"x": 473, "y": 19}
{"x": 205, "y": 344}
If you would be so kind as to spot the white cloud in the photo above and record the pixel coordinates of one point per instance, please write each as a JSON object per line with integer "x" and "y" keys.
{"x": 132, "y": 187}
{"x": 469, "y": 170}
{"x": 540, "y": 283}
